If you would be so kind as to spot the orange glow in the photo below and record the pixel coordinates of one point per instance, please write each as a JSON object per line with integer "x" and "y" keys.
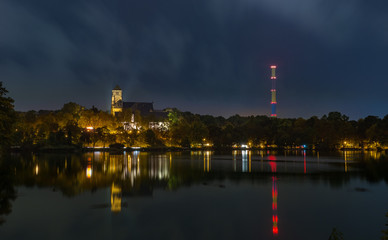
{"x": 90, "y": 128}
{"x": 115, "y": 198}
{"x": 273, "y": 66}
{"x": 36, "y": 169}
{"x": 89, "y": 171}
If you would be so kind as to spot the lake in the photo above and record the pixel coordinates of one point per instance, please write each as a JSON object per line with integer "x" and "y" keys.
{"x": 239, "y": 194}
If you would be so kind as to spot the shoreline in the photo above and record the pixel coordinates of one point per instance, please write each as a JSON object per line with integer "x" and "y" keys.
{"x": 74, "y": 149}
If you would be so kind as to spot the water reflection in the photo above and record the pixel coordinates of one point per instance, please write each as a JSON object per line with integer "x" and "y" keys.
{"x": 234, "y": 160}
{"x": 89, "y": 170}
{"x": 207, "y": 161}
{"x": 275, "y": 229}
{"x": 115, "y": 198}
{"x": 36, "y": 169}
{"x": 304, "y": 161}
{"x": 132, "y": 174}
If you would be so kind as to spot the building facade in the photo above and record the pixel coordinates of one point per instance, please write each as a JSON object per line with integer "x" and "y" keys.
{"x": 158, "y": 119}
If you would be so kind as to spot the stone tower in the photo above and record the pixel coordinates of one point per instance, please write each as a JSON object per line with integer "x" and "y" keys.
{"x": 117, "y": 100}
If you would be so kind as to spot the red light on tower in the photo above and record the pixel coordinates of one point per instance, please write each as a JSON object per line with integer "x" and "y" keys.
{"x": 273, "y": 91}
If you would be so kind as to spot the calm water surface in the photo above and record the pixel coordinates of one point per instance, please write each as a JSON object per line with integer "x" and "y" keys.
{"x": 194, "y": 195}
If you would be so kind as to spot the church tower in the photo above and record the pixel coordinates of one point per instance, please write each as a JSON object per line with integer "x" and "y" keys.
{"x": 117, "y": 100}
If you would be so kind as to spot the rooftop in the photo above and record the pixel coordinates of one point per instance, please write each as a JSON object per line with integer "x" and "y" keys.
{"x": 117, "y": 88}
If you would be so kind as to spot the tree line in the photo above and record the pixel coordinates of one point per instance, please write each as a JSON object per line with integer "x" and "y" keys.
{"x": 77, "y": 126}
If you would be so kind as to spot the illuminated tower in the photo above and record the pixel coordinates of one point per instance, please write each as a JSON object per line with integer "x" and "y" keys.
{"x": 117, "y": 100}
{"x": 273, "y": 91}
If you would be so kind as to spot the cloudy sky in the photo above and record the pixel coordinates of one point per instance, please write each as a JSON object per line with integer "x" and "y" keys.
{"x": 203, "y": 56}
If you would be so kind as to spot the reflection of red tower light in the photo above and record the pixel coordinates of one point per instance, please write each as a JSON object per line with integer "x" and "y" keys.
{"x": 274, "y": 194}
{"x": 272, "y": 163}
{"x": 275, "y": 229}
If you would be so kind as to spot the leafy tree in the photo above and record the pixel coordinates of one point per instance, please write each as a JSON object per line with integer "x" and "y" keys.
{"x": 336, "y": 235}
{"x": 7, "y": 190}
{"x": 151, "y": 138}
{"x": 7, "y": 118}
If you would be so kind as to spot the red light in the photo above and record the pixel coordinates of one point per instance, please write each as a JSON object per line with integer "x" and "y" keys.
{"x": 273, "y": 102}
{"x": 273, "y": 66}
{"x": 275, "y": 229}
{"x": 273, "y": 166}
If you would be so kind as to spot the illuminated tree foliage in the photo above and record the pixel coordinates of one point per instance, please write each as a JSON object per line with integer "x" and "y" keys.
{"x": 68, "y": 126}
{"x": 76, "y": 126}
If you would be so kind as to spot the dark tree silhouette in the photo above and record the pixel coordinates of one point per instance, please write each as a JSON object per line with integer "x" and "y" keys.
{"x": 7, "y": 117}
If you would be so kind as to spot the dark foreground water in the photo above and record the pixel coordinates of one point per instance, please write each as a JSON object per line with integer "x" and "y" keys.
{"x": 194, "y": 195}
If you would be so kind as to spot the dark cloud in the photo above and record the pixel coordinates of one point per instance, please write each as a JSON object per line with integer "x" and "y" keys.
{"x": 206, "y": 56}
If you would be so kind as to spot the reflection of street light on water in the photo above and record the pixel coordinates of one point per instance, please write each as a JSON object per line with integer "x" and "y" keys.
{"x": 89, "y": 170}
{"x": 207, "y": 161}
{"x": 244, "y": 154}
{"x": 115, "y": 198}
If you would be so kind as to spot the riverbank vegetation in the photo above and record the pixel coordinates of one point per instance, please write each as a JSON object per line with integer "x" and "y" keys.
{"x": 74, "y": 126}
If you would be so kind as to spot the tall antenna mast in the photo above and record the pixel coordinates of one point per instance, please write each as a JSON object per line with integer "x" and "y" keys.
{"x": 273, "y": 91}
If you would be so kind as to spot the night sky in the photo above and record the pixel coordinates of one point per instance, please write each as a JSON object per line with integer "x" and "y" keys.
{"x": 204, "y": 56}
